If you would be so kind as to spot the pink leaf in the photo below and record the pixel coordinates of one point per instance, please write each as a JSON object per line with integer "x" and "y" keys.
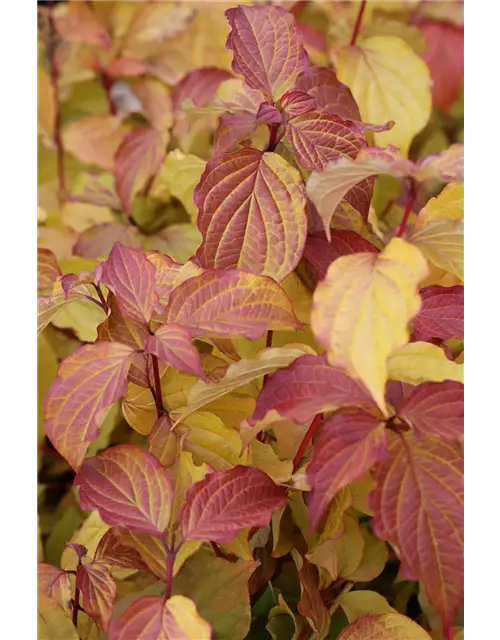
{"x": 436, "y": 409}
{"x": 128, "y": 487}
{"x": 320, "y": 253}
{"x": 296, "y": 103}
{"x": 267, "y": 48}
{"x": 137, "y": 159}
{"x": 233, "y": 128}
{"x": 347, "y": 447}
{"x": 231, "y": 303}
{"x": 169, "y": 274}
{"x": 441, "y": 314}
{"x": 47, "y": 270}
{"x": 418, "y": 505}
{"x": 199, "y": 86}
{"x": 225, "y": 502}
{"x": 98, "y": 591}
{"x": 89, "y": 380}
{"x": 268, "y": 113}
{"x": 251, "y": 213}
{"x": 172, "y": 344}
{"x": 113, "y": 552}
{"x": 328, "y": 92}
{"x": 131, "y": 277}
{"x": 55, "y": 583}
{"x": 307, "y": 387}
{"x": 97, "y": 241}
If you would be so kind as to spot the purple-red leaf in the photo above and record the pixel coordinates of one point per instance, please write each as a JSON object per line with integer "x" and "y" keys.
{"x": 296, "y": 103}
{"x": 47, "y": 270}
{"x": 128, "y": 487}
{"x": 441, "y": 314}
{"x": 328, "y": 92}
{"x": 233, "y": 128}
{"x": 131, "y": 277}
{"x": 120, "y": 328}
{"x": 169, "y": 274}
{"x": 225, "y": 502}
{"x": 97, "y": 241}
{"x": 267, "y": 48}
{"x": 97, "y": 590}
{"x": 307, "y": 387}
{"x": 55, "y": 583}
{"x": 138, "y": 157}
{"x": 320, "y": 253}
{"x": 251, "y": 213}
{"x": 347, "y": 447}
{"x": 199, "y": 86}
{"x": 269, "y": 113}
{"x": 436, "y": 409}
{"x": 418, "y": 506}
{"x": 172, "y": 344}
{"x": 89, "y": 380}
{"x": 153, "y": 618}
{"x": 112, "y": 551}
{"x": 224, "y": 303}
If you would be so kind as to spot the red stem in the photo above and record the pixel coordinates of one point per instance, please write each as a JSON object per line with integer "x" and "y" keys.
{"x": 448, "y": 632}
{"x": 357, "y": 25}
{"x": 76, "y": 605}
{"x": 54, "y": 76}
{"x": 157, "y": 395}
{"x": 269, "y": 338}
{"x": 170, "y": 573}
{"x": 305, "y": 632}
{"x": 273, "y": 137}
{"x": 261, "y": 437}
{"x": 230, "y": 557}
{"x": 101, "y": 298}
{"x": 412, "y": 195}
{"x": 106, "y": 83}
{"x": 307, "y": 439}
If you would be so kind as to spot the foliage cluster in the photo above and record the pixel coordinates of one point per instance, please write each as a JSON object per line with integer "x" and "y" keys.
{"x": 250, "y": 312}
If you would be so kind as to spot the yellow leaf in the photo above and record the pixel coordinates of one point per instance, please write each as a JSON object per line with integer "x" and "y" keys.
{"x": 362, "y": 308}
{"x": 182, "y": 612}
{"x": 418, "y": 362}
{"x": 334, "y": 522}
{"x": 178, "y": 177}
{"x": 239, "y": 374}
{"x": 80, "y": 215}
{"x": 389, "y": 82}
{"x": 264, "y": 457}
{"x": 363, "y": 603}
{"x": 83, "y": 317}
{"x": 53, "y": 622}
{"x": 89, "y": 535}
{"x": 342, "y": 556}
{"x": 46, "y": 104}
{"x": 375, "y": 556}
{"x": 240, "y": 546}
{"x": 277, "y": 626}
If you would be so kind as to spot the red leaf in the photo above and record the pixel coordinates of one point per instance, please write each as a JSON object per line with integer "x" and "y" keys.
{"x": 418, "y": 505}
{"x": 329, "y": 93}
{"x": 347, "y": 447}
{"x": 137, "y": 159}
{"x": 307, "y": 387}
{"x": 120, "y": 328}
{"x": 128, "y": 487}
{"x": 225, "y": 502}
{"x": 267, "y": 48}
{"x": 172, "y": 344}
{"x": 231, "y": 303}
{"x": 97, "y": 241}
{"x": 233, "y": 128}
{"x": 98, "y": 591}
{"x": 436, "y": 409}
{"x": 441, "y": 314}
{"x": 169, "y": 274}
{"x": 131, "y": 277}
{"x": 268, "y": 113}
{"x": 113, "y": 552}
{"x": 296, "y": 103}
{"x": 320, "y": 253}
{"x": 251, "y": 213}
{"x": 141, "y": 370}
{"x": 318, "y": 137}
{"x": 445, "y": 57}
{"x": 153, "y": 618}
{"x": 311, "y": 604}
{"x": 199, "y": 86}
{"x": 47, "y": 270}
{"x": 89, "y": 380}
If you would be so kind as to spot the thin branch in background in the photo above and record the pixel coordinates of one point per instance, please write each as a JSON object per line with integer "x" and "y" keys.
{"x": 313, "y": 427}
{"x": 357, "y": 25}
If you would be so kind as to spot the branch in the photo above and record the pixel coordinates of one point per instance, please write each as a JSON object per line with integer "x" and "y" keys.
{"x": 357, "y": 25}
{"x": 160, "y": 409}
{"x": 313, "y": 427}
{"x": 411, "y": 197}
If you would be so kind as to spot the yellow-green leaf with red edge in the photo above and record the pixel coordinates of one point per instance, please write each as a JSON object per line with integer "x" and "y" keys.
{"x": 225, "y": 502}
{"x": 121, "y": 328}
{"x": 267, "y": 48}
{"x": 77, "y": 22}
{"x": 347, "y": 447}
{"x": 131, "y": 277}
{"x": 55, "y": 584}
{"x": 154, "y": 618}
{"x": 97, "y": 590}
{"x": 52, "y": 621}
{"x": 137, "y": 159}
{"x": 89, "y": 380}
{"x": 388, "y": 626}
{"x": 418, "y": 506}
{"x": 47, "y": 270}
{"x": 446, "y": 166}
{"x": 112, "y": 551}
{"x": 307, "y": 387}
{"x": 129, "y": 487}
{"x": 435, "y": 409}
{"x": 251, "y": 213}
{"x": 361, "y": 310}
{"x": 389, "y": 82}
{"x": 170, "y": 274}
{"x": 221, "y": 303}
{"x": 172, "y": 343}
